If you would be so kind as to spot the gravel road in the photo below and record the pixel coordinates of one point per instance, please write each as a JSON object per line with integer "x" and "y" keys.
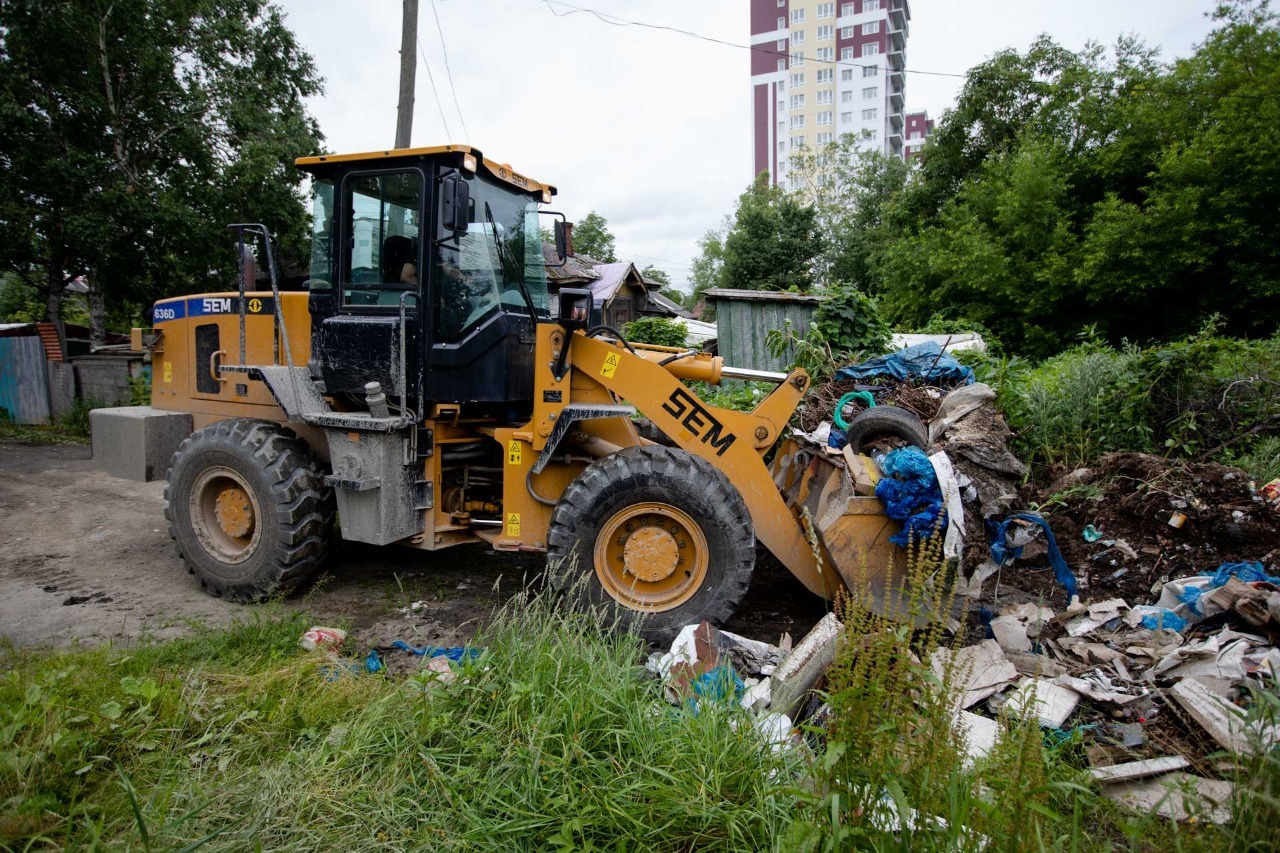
{"x": 87, "y": 557}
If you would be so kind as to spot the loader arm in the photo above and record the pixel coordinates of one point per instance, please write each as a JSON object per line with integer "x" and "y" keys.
{"x": 734, "y": 442}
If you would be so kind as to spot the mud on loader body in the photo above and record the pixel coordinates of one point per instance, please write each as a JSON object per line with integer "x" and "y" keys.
{"x": 425, "y": 392}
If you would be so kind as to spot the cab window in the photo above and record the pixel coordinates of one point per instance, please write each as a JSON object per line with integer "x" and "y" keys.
{"x": 479, "y": 272}
{"x": 383, "y": 257}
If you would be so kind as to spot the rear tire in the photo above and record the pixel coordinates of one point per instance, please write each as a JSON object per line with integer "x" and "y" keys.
{"x": 248, "y": 509}
{"x": 656, "y": 536}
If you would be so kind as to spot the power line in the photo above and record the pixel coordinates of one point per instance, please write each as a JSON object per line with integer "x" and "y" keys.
{"x": 652, "y": 258}
{"x": 432, "y": 78}
{"x": 618, "y": 21}
{"x": 445, "y": 50}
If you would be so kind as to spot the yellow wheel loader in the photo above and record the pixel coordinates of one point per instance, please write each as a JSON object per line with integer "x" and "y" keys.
{"x": 427, "y": 390}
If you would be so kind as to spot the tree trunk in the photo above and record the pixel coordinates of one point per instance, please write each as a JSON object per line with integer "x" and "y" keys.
{"x": 97, "y": 315}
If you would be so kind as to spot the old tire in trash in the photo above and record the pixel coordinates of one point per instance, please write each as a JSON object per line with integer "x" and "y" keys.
{"x": 248, "y": 509}
{"x": 885, "y": 421}
{"x": 655, "y": 537}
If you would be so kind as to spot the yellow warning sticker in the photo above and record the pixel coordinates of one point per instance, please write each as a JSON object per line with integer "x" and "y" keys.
{"x": 513, "y": 524}
{"x": 610, "y": 365}
{"x": 513, "y": 454}
{"x": 168, "y": 371}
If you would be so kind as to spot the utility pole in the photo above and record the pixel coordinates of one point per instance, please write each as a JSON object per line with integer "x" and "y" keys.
{"x": 408, "y": 69}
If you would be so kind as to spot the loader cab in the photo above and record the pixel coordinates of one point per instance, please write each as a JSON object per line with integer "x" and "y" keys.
{"x": 435, "y": 250}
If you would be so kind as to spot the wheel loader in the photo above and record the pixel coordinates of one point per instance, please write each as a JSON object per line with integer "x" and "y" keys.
{"x": 427, "y": 390}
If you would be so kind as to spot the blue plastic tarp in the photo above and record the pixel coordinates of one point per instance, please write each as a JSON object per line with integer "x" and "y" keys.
{"x": 926, "y": 360}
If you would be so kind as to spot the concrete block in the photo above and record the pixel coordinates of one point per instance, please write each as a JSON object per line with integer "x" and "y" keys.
{"x": 137, "y": 442}
{"x": 797, "y": 675}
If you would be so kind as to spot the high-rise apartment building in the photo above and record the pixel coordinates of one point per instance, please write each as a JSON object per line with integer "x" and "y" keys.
{"x": 824, "y": 68}
{"x": 919, "y": 128}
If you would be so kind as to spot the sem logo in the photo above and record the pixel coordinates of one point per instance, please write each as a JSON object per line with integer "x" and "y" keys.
{"x": 255, "y": 305}
{"x": 694, "y": 417}
{"x": 220, "y": 305}
{"x": 166, "y": 313}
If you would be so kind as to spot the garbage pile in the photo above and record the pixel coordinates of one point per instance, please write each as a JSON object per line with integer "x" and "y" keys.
{"x": 1137, "y": 610}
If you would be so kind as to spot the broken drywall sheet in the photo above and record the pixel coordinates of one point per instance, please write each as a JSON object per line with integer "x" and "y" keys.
{"x": 974, "y": 672}
{"x": 1049, "y": 703}
{"x": 1177, "y": 796}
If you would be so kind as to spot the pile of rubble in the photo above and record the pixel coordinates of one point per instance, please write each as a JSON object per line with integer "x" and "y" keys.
{"x": 1136, "y": 612}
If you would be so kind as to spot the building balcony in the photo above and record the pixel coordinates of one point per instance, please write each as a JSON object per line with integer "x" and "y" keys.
{"x": 897, "y": 99}
{"x": 897, "y": 40}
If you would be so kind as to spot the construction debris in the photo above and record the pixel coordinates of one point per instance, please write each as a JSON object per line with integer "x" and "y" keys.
{"x": 807, "y": 663}
{"x": 1176, "y": 796}
{"x": 1049, "y": 703}
{"x": 974, "y": 672}
{"x": 1131, "y": 770}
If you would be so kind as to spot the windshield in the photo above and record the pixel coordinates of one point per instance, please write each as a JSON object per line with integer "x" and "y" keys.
{"x": 480, "y": 270}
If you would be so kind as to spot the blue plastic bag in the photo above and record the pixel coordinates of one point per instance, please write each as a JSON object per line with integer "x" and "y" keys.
{"x": 1002, "y": 553}
{"x": 453, "y": 653}
{"x": 910, "y": 493}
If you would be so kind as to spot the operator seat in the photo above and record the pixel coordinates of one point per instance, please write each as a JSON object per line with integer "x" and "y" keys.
{"x": 397, "y": 251}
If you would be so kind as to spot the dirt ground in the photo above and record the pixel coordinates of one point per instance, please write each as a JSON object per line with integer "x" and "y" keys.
{"x": 87, "y": 557}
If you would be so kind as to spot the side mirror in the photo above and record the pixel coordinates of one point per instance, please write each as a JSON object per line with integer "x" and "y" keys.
{"x": 562, "y": 244}
{"x": 455, "y": 203}
{"x": 575, "y": 308}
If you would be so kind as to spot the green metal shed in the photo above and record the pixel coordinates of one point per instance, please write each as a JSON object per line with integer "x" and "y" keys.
{"x": 743, "y": 317}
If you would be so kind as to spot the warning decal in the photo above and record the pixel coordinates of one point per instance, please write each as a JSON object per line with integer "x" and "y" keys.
{"x": 610, "y": 365}
{"x": 513, "y": 453}
{"x": 168, "y": 371}
{"x": 513, "y": 524}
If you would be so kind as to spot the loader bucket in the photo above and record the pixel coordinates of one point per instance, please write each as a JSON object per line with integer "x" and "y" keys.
{"x": 851, "y": 530}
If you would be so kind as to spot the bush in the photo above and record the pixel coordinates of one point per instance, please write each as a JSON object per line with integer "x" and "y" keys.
{"x": 1203, "y": 397}
{"x": 658, "y": 331}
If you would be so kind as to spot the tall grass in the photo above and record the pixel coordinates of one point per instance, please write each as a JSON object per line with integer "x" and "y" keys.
{"x": 553, "y": 739}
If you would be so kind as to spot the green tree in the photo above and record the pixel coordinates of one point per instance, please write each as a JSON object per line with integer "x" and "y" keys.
{"x": 707, "y": 269}
{"x": 849, "y": 188}
{"x": 653, "y": 275}
{"x": 1098, "y": 189}
{"x": 774, "y": 241}
{"x": 591, "y": 237}
{"x": 677, "y": 296}
{"x": 130, "y": 134}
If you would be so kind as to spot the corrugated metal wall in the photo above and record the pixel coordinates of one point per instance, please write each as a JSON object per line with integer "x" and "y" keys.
{"x": 24, "y": 387}
{"x": 743, "y": 323}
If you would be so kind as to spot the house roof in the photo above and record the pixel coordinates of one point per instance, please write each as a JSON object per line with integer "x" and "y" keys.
{"x": 728, "y": 294}
{"x": 610, "y": 277}
{"x": 668, "y": 304}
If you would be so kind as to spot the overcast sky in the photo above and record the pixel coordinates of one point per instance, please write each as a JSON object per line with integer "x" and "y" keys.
{"x": 651, "y": 128}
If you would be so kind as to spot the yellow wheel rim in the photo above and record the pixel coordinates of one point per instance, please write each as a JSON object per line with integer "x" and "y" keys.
{"x": 651, "y": 557}
{"x": 224, "y": 514}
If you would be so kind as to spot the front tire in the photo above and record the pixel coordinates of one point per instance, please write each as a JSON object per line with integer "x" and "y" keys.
{"x": 656, "y": 535}
{"x": 248, "y": 509}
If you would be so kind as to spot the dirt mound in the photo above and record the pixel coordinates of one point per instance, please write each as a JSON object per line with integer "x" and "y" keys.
{"x": 1131, "y": 500}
